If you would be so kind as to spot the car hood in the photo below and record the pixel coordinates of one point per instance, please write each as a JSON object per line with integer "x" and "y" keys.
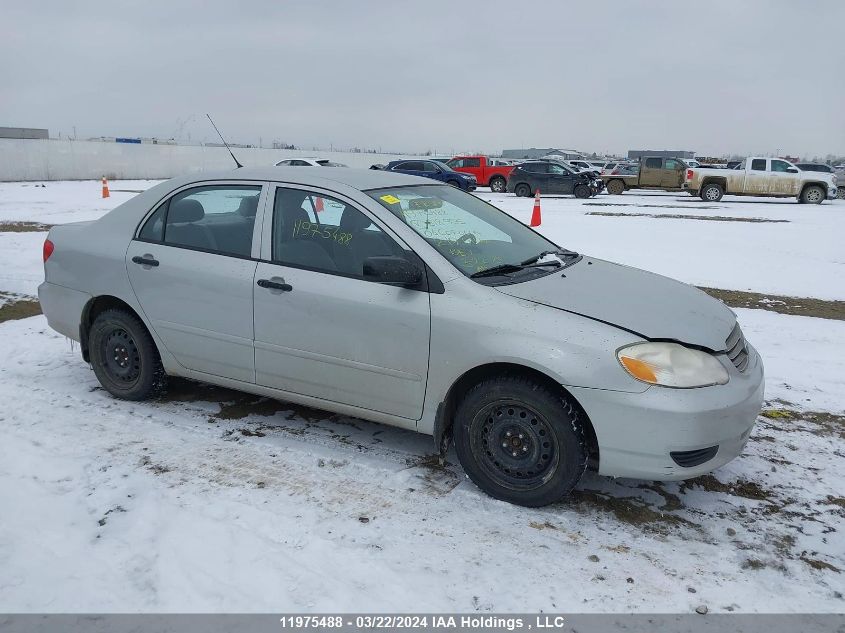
{"x": 649, "y": 305}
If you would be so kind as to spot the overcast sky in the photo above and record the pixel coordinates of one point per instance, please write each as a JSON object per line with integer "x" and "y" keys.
{"x": 716, "y": 77}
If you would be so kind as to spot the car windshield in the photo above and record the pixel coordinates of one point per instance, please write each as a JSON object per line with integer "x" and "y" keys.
{"x": 471, "y": 234}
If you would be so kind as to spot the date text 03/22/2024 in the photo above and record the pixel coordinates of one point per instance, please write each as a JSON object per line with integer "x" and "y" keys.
{"x": 458, "y": 622}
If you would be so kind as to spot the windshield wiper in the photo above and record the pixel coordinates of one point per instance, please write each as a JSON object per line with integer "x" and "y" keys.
{"x": 501, "y": 269}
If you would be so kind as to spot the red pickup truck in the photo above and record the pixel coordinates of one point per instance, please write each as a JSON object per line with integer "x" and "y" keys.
{"x": 489, "y": 172}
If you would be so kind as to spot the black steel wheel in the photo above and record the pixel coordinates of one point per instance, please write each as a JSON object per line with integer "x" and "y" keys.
{"x": 519, "y": 441}
{"x": 124, "y": 356}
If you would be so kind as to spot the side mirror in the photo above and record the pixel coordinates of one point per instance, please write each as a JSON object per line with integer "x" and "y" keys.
{"x": 392, "y": 269}
{"x": 791, "y": 170}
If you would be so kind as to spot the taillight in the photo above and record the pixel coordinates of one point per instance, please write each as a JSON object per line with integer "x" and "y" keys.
{"x": 689, "y": 174}
{"x": 48, "y": 249}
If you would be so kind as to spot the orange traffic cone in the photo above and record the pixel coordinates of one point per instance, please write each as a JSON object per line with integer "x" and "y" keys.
{"x": 318, "y": 205}
{"x": 535, "y": 215}
{"x": 105, "y": 188}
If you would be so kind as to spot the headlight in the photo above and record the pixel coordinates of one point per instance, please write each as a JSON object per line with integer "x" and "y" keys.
{"x": 672, "y": 365}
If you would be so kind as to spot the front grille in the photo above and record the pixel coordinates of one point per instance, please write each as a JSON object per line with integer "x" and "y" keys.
{"x": 737, "y": 349}
{"x": 688, "y": 459}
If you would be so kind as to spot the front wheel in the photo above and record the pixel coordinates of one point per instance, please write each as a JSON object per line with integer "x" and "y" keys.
{"x": 582, "y": 191}
{"x": 812, "y": 195}
{"x": 454, "y": 183}
{"x": 523, "y": 191}
{"x": 712, "y": 192}
{"x": 497, "y": 185}
{"x": 519, "y": 441}
{"x": 124, "y": 356}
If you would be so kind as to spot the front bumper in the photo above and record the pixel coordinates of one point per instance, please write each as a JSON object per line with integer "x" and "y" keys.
{"x": 636, "y": 432}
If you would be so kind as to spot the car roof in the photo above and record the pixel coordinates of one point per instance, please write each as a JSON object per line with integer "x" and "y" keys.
{"x": 356, "y": 178}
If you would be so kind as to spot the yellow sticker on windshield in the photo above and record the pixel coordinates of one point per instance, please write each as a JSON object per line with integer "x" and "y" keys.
{"x": 390, "y": 199}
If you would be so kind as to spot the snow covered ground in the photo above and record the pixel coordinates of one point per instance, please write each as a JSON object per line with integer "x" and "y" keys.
{"x": 211, "y": 500}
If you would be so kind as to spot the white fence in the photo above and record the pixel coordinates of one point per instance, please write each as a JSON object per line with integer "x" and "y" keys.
{"x": 37, "y": 159}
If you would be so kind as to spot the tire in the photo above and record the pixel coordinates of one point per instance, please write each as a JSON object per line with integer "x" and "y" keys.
{"x": 124, "y": 356}
{"x": 582, "y": 191}
{"x": 498, "y": 185}
{"x": 615, "y": 187}
{"x": 692, "y": 192}
{"x": 509, "y": 415}
{"x": 522, "y": 191}
{"x": 813, "y": 195}
{"x": 840, "y": 193}
{"x": 711, "y": 192}
{"x": 454, "y": 183}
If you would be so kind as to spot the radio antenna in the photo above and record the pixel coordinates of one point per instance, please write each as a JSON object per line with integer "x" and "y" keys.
{"x": 224, "y": 141}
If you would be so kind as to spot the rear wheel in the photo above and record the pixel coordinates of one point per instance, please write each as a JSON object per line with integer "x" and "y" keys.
{"x": 497, "y": 185}
{"x": 582, "y": 191}
{"x": 124, "y": 356}
{"x": 523, "y": 191}
{"x": 813, "y": 195}
{"x": 711, "y": 192}
{"x": 520, "y": 441}
{"x": 615, "y": 187}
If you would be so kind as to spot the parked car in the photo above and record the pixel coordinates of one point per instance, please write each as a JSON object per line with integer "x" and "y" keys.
{"x": 488, "y": 172}
{"x": 611, "y": 166}
{"x": 815, "y": 167}
{"x": 411, "y": 303}
{"x": 761, "y": 176}
{"x": 654, "y": 173}
{"x": 691, "y": 162}
{"x": 582, "y": 165}
{"x": 435, "y": 170}
{"x": 308, "y": 162}
{"x": 551, "y": 176}
{"x": 731, "y": 164}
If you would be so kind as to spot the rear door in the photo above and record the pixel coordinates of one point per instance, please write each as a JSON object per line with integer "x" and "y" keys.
{"x": 651, "y": 172}
{"x": 538, "y": 174}
{"x": 323, "y": 331}
{"x": 191, "y": 267}
{"x": 757, "y": 177}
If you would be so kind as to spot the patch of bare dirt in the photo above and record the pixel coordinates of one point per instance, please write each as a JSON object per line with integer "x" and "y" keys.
{"x": 800, "y": 306}
{"x": 676, "y": 216}
{"x": 19, "y": 309}
{"x": 24, "y": 227}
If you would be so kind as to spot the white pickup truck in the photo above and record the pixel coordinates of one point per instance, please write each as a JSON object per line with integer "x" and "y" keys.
{"x": 760, "y": 176}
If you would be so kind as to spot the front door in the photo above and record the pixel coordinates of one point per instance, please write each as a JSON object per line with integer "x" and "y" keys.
{"x": 321, "y": 330}
{"x": 673, "y": 173}
{"x": 561, "y": 180}
{"x": 191, "y": 269}
{"x": 783, "y": 182}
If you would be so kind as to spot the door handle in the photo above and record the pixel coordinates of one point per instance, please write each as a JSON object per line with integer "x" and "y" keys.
{"x": 275, "y": 285}
{"x": 147, "y": 260}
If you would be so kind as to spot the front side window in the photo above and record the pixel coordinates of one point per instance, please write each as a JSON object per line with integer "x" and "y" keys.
{"x": 322, "y": 233}
{"x": 780, "y": 165}
{"x": 470, "y": 233}
{"x": 558, "y": 170}
{"x": 215, "y": 218}
{"x": 430, "y": 167}
{"x": 758, "y": 164}
{"x": 410, "y": 166}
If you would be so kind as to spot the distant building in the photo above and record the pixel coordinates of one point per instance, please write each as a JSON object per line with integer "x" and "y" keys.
{"x": 662, "y": 153}
{"x": 23, "y": 132}
{"x": 534, "y": 152}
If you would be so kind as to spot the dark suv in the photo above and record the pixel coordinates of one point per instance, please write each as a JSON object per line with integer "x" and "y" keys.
{"x": 435, "y": 170}
{"x": 552, "y": 177}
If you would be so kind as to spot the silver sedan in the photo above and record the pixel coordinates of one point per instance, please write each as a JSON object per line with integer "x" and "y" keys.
{"x": 394, "y": 299}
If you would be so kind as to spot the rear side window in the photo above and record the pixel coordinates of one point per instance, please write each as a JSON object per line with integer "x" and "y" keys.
{"x": 410, "y": 166}
{"x": 216, "y": 218}
{"x": 536, "y": 168}
{"x": 653, "y": 163}
{"x": 758, "y": 164}
{"x": 671, "y": 163}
